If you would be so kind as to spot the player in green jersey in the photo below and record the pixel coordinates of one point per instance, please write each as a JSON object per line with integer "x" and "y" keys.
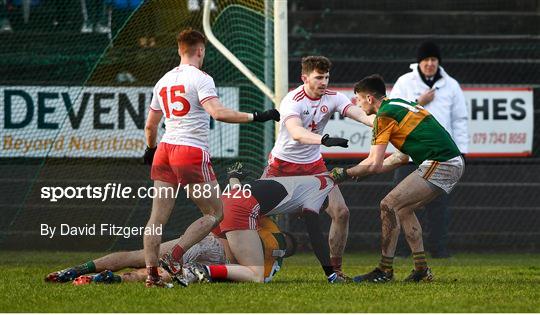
{"x": 415, "y": 133}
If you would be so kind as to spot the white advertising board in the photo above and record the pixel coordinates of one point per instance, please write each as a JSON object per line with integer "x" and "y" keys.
{"x": 62, "y": 121}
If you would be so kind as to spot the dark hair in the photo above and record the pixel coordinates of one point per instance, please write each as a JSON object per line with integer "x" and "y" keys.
{"x": 373, "y": 84}
{"x": 293, "y": 242}
{"x": 188, "y": 40}
{"x": 319, "y": 63}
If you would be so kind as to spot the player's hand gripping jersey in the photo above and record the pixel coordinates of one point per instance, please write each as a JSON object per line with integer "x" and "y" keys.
{"x": 314, "y": 114}
{"x": 179, "y": 94}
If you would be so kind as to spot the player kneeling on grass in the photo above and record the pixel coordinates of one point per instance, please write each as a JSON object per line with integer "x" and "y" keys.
{"x": 414, "y": 131}
{"x": 242, "y": 219}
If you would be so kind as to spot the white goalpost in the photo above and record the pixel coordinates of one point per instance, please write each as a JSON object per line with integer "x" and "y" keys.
{"x": 274, "y": 88}
{"x": 280, "y": 52}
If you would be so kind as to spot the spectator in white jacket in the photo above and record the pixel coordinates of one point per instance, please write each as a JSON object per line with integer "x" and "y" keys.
{"x": 430, "y": 86}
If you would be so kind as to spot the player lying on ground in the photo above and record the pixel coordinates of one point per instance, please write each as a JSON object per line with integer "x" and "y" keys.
{"x": 186, "y": 98}
{"x": 415, "y": 132}
{"x": 272, "y": 196}
{"x": 211, "y": 250}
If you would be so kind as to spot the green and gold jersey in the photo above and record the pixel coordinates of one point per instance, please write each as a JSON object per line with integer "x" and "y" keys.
{"x": 414, "y": 131}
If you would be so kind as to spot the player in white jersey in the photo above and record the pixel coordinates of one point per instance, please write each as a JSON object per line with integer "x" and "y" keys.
{"x": 305, "y": 112}
{"x": 303, "y": 195}
{"x": 187, "y": 98}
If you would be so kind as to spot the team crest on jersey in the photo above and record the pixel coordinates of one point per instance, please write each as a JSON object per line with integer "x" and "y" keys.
{"x": 324, "y": 109}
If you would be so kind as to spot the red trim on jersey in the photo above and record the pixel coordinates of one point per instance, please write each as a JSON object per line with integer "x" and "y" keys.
{"x": 155, "y": 110}
{"x": 298, "y": 95}
{"x": 330, "y": 92}
{"x": 313, "y": 99}
{"x": 291, "y": 116}
{"x": 207, "y": 99}
{"x": 345, "y": 109}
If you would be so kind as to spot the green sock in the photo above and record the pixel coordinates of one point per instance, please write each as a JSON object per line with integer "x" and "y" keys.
{"x": 386, "y": 263}
{"x": 420, "y": 262}
{"x": 87, "y": 267}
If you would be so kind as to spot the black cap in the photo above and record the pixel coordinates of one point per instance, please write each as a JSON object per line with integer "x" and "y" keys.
{"x": 428, "y": 49}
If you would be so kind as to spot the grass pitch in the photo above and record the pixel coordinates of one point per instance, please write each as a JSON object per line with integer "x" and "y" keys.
{"x": 465, "y": 283}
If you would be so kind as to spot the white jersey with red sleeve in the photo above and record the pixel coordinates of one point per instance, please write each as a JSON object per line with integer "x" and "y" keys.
{"x": 314, "y": 114}
{"x": 179, "y": 94}
{"x": 303, "y": 193}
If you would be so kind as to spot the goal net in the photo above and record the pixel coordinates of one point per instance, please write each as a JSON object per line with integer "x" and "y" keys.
{"x": 77, "y": 81}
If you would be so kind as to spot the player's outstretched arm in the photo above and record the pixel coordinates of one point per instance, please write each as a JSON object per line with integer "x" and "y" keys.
{"x": 301, "y": 134}
{"x": 394, "y": 161}
{"x": 356, "y": 113}
{"x": 221, "y": 113}
{"x": 304, "y": 136}
{"x": 373, "y": 164}
{"x": 369, "y": 166}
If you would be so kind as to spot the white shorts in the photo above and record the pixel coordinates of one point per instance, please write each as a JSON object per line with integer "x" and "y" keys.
{"x": 208, "y": 251}
{"x": 444, "y": 175}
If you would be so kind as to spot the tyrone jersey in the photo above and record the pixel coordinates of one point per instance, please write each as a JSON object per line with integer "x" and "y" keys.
{"x": 291, "y": 194}
{"x": 314, "y": 114}
{"x": 179, "y": 94}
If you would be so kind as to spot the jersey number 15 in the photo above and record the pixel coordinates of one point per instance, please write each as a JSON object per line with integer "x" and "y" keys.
{"x": 179, "y": 105}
